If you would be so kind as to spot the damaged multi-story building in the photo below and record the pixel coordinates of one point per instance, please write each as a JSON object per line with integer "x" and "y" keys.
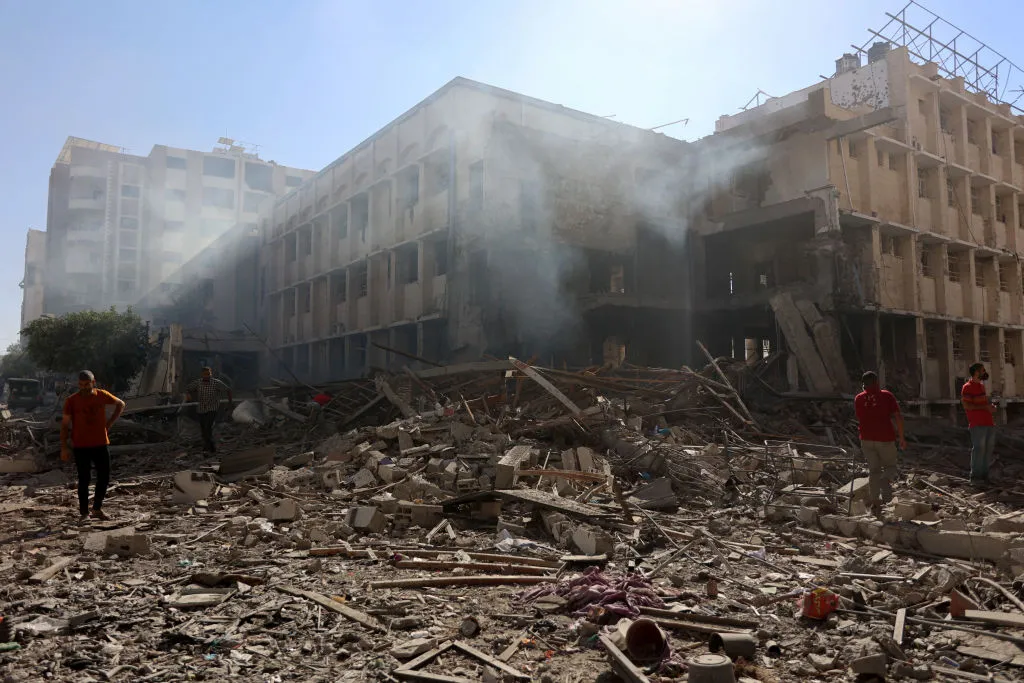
{"x": 119, "y": 225}
{"x": 873, "y": 220}
{"x": 480, "y": 222}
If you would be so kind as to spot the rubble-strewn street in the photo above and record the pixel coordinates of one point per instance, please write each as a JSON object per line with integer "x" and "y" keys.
{"x": 498, "y": 521}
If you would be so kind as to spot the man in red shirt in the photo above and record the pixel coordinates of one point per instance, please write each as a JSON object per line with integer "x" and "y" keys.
{"x": 83, "y": 431}
{"x": 876, "y": 410}
{"x": 980, "y": 420}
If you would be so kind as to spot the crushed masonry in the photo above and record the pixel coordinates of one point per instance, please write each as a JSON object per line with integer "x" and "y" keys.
{"x": 474, "y": 523}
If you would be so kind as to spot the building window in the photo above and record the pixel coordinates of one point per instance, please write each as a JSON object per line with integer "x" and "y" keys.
{"x": 996, "y": 143}
{"x": 132, "y": 191}
{"x": 220, "y": 167}
{"x": 341, "y": 288}
{"x": 893, "y": 159}
{"x": 979, "y": 273}
{"x": 128, "y": 239}
{"x": 926, "y": 265}
{"x": 292, "y": 180}
{"x": 177, "y": 162}
{"x": 953, "y": 266}
{"x": 931, "y": 341}
{"x": 1004, "y": 278}
{"x": 972, "y": 132}
{"x": 958, "y": 344}
{"x": 440, "y": 257}
{"x": 881, "y": 157}
{"x": 950, "y": 192}
{"x": 854, "y": 149}
{"x": 259, "y": 177}
{"x": 251, "y": 202}
{"x": 307, "y": 299}
{"x": 999, "y": 209}
{"x": 888, "y": 245}
{"x": 174, "y": 226}
{"x": 975, "y": 201}
{"x": 306, "y": 242}
{"x": 174, "y": 195}
{"x": 923, "y": 178}
{"x": 944, "y": 121}
{"x": 984, "y": 354}
{"x": 339, "y": 220}
{"x": 126, "y": 255}
{"x": 219, "y": 197}
{"x": 1008, "y": 357}
{"x": 362, "y": 281}
{"x": 129, "y": 223}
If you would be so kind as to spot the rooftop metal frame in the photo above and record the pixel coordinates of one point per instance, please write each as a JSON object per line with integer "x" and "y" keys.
{"x": 930, "y": 38}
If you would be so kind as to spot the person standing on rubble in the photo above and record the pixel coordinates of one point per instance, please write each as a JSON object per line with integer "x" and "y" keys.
{"x": 84, "y": 433}
{"x": 206, "y": 392}
{"x": 877, "y": 409}
{"x": 980, "y": 421}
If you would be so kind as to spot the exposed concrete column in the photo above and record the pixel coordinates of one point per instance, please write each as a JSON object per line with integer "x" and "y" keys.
{"x": 911, "y": 293}
{"x": 921, "y": 355}
{"x": 948, "y": 361}
{"x": 968, "y": 284}
{"x": 973, "y": 353}
{"x": 872, "y": 263}
{"x": 871, "y": 344}
{"x": 1013, "y": 274}
{"x": 1012, "y": 212}
{"x": 941, "y": 254}
{"x": 958, "y": 122}
{"x": 998, "y": 363}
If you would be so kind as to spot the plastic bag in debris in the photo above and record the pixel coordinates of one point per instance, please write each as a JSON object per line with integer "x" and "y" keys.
{"x": 248, "y": 412}
{"x": 508, "y": 543}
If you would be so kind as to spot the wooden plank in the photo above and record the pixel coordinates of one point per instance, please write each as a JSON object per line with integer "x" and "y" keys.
{"x": 563, "y": 474}
{"x": 44, "y": 575}
{"x": 816, "y": 561}
{"x": 897, "y": 631}
{"x": 704, "y": 618}
{"x": 995, "y": 618}
{"x": 800, "y": 344}
{"x": 487, "y": 659}
{"x": 335, "y": 606}
{"x": 439, "y": 565}
{"x": 545, "y": 384}
{"x": 622, "y": 663}
{"x": 880, "y": 555}
{"x": 482, "y": 580}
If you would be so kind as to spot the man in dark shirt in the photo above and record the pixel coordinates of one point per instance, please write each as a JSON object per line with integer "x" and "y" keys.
{"x": 876, "y": 410}
{"x": 206, "y": 392}
{"x": 980, "y": 419}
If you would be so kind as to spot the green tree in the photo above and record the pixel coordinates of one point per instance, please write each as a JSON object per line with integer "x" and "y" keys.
{"x": 16, "y": 363}
{"x": 115, "y": 346}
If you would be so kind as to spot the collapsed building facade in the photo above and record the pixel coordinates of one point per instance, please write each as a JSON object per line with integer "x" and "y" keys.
{"x": 868, "y": 221}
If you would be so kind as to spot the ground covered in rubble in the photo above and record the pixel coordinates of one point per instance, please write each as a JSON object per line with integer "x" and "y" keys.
{"x": 555, "y": 527}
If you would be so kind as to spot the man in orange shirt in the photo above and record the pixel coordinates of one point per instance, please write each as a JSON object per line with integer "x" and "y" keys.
{"x": 83, "y": 431}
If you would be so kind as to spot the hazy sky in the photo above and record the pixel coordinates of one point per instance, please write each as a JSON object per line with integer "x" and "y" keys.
{"x": 308, "y": 79}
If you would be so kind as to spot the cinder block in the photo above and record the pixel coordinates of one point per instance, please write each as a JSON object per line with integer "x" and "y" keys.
{"x": 591, "y": 541}
{"x": 362, "y": 479}
{"x": 367, "y": 519}
{"x": 505, "y": 470}
{"x": 391, "y": 473}
{"x": 284, "y": 510}
{"x": 191, "y": 487}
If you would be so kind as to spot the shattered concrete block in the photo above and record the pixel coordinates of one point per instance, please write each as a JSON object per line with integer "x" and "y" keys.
{"x": 413, "y": 648}
{"x": 423, "y": 515}
{"x": 97, "y": 541}
{"x": 191, "y": 487}
{"x": 284, "y": 510}
{"x": 966, "y": 545}
{"x": 362, "y": 479}
{"x": 391, "y": 473}
{"x": 585, "y": 459}
{"x": 858, "y": 489}
{"x": 237, "y": 466}
{"x": 300, "y": 460}
{"x": 1014, "y": 523}
{"x": 389, "y": 432}
{"x": 807, "y": 516}
{"x": 872, "y": 664}
{"x": 405, "y": 442}
{"x": 126, "y": 545}
{"x": 386, "y": 503}
{"x": 569, "y": 460}
{"x": 435, "y": 465}
{"x": 366, "y": 518}
{"x": 910, "y": 511}
{"x": 374, "y": 459}
{"x": 592, "y": 541}
{"x": 505, "y": 470}
{"x": 461, "y": 432}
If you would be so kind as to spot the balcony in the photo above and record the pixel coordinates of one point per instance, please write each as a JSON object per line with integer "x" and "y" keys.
{"x": 291, "y": 273}
{"x": 412, "y": 302}
{"x": 974, "y": 158}
{"x": 1018, "y": 175}
{"x": 438, "y": 295}
{"x": 77, "y": 171}
{"x": 363, "y": 313}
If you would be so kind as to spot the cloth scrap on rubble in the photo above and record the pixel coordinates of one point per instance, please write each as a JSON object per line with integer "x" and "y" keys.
{"x": 623, "y": 595}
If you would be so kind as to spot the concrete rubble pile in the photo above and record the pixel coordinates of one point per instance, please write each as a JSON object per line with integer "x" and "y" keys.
{"x": 498, "y": 521}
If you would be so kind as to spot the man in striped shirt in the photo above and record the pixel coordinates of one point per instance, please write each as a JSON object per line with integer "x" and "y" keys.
{"x": 206, "y": 392}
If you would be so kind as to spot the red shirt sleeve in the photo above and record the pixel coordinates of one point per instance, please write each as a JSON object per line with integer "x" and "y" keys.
{"x": 970, "y": 390}
{"x": 894, "y": 405}
{"x": 108, "y": 398}
{"x": 67, "y": 405}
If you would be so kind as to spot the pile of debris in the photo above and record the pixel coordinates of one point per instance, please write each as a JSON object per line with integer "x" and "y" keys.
{"x": 499, "y": 521}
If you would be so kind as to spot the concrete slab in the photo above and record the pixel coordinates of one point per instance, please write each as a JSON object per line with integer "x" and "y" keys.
{"x": 284, "y": 510}
{"x": 366, "y": 518}
{"x": 190, "y": 487}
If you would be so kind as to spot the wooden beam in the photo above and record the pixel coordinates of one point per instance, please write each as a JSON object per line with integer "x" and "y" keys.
{"x": 335, "y": 606}
{"x": 44, "y": 575}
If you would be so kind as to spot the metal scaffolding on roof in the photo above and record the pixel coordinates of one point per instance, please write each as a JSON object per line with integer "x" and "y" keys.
{"x": 930, "y": 38}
